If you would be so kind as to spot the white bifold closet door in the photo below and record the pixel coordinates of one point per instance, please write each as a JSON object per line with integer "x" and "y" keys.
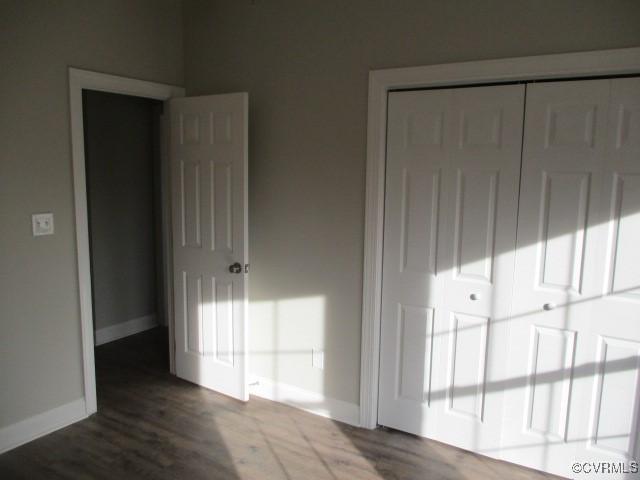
{"x": 524, "y": 350}
{"x": 453, "y": 169}
{"x": 573, "y": 391}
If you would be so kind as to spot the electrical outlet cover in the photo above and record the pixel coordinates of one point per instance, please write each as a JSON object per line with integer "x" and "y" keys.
{"x": 317, "y": 359}
{"x": 42, "y": 224}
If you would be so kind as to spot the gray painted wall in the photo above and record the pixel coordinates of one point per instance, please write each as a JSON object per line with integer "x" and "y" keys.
{"x": 305, "y": 64}
{"x": 40, "y": 349}
{"x": 120, "y": 156}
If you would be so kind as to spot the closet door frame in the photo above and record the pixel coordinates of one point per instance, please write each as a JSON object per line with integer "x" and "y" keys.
{"x": 547, "y": 67}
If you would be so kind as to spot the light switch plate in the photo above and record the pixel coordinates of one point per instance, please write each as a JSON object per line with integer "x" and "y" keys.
{"x": 42, "y": 224}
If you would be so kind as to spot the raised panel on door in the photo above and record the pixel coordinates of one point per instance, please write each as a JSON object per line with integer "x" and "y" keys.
{"x": 623, "y": 257}
{"x": 453, "y": 160}
{"x": 192, "y": 306}
{"x": 466, "y": 366}
{"x": 418, "y": 232}
{"x": 221, "y": 206}
{"x": 209, "y": 176}
{"x": 616, "y": 399}
{"x": 222, "y": 331}
{"x": 563, "y": 224}
{"x": 190, "y": 218}
{"x": 551, "y": 364}
{"x": 476, "y": 196}
{"x": 414, "y": 356}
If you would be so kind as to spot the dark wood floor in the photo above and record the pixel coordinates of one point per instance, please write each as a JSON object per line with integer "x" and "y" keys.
{"x": 153, "y": 425}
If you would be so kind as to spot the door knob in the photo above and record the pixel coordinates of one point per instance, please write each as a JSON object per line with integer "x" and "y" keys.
{"x": 235, "y": 268}
{"x": 549, "y": 306}
{"x": 475, "y": 296}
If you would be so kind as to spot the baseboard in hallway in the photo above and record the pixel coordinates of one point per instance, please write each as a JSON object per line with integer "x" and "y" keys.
{"x": 34, "y": 427}
{"x": 124, "y": 329}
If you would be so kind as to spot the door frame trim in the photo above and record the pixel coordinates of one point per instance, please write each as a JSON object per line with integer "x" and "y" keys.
{"x": 78, "y": 81}
{"x": 557, "y": 66}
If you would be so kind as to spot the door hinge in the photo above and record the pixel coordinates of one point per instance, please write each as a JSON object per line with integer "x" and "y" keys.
{"x": 246, "y": 268}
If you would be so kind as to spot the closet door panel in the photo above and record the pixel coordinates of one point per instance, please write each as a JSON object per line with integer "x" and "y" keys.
{"x": 417, "y": 158}
{"x": 453, "y": 159}
{"x": 471, "y": 334}
{"x": 556, "y": 283}
{"x": 614, "y": 336}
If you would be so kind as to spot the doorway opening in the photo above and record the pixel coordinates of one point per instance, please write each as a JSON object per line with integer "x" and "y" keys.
{"x": 79, "y": 82}
{"x": 122, "y": 143}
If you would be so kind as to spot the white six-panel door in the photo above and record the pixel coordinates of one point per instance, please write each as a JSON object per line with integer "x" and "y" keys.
{"x": 536, "y": 362}
{"x": 450, "y": 224}
{"x": 210, "y": 233}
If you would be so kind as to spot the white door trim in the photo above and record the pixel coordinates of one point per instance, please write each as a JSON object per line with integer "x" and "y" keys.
{"x": 604, "y": 62}
{"x": 79, "y": 80}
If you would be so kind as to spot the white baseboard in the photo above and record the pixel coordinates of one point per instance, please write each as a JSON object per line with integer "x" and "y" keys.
{"x": 306, "y": 400}
{"x": 33, "y": 427}
{"x": 124, "y": 329}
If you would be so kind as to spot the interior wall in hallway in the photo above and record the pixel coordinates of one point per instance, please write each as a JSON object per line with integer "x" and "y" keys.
{"x": 122, "y": 184}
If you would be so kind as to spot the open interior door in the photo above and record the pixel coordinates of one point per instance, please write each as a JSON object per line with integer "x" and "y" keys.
{"x": 210, "y": 240}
